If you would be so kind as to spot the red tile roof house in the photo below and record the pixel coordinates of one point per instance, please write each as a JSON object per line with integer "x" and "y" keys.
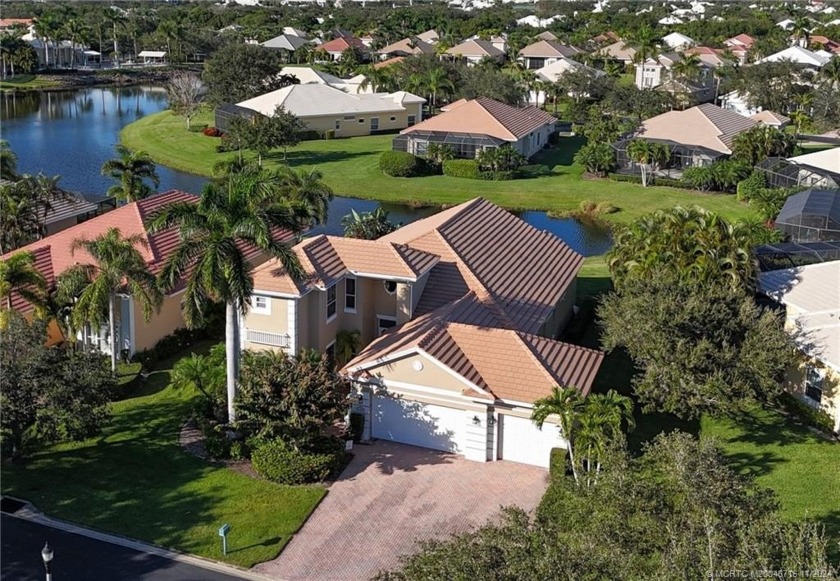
{"x": 740, "y": 45}
{"x": 458, "y": 314}
{"x": 53, "y": 256}
{"x": 471, "y": 125}
{"x": 336, "y": 47}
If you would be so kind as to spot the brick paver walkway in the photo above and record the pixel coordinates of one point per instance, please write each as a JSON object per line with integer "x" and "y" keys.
{"x": 391, "y": 496}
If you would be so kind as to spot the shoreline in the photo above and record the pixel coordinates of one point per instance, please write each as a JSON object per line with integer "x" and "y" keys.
{"x": 71, "y": 80}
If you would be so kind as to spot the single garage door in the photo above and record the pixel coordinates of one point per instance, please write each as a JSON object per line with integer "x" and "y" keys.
{"x": 522, "y": 441}
{"x": 419, "y": 424}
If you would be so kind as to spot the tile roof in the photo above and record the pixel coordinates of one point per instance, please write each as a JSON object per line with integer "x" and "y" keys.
{"x": 485, "y": 248}
{"x": 327, "y": 259}
{"x": 705, "y": 125}
{"x": 548, "y": 49}
{"x": 770, "y": 118}
{"x": 342, "y": 43}
{"x": 316, "y": 100}
{"x": 429, "y": 36}
{"x": 619, "y": 50}
{"x": 285, "y": 42}
{"x": 488, "y": 117}
{"x": 741, "y": 40}
{"x": 408, "y": 46}
{"x": 389, "y": 62}
{"x": 475, "y": 48}
{"x": 504, "y": 363}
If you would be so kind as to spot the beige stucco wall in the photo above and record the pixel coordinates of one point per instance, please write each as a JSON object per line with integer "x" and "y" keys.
{"x": 830, "y": 402}
{"x": 431, "y": 375}
{"x": 355, "y": 128}
{"x": 277, "y": 321}
{"x": 164, "y": 323}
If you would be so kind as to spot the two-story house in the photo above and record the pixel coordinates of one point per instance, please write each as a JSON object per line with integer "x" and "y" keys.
{"x": 458, "y": 314}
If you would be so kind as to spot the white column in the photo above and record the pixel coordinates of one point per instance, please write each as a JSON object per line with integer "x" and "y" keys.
{"x": 291, "y": 324}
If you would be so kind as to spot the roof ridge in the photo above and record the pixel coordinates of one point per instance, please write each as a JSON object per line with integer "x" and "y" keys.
{"x": 479, "y": 102}
{"x": 529, "y": 348}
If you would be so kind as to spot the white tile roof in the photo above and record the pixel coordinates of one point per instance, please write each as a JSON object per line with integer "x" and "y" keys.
{"x": 315, "y": 100}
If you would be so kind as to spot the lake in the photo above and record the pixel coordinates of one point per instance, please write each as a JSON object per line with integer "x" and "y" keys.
{"x": 72, "y": 133}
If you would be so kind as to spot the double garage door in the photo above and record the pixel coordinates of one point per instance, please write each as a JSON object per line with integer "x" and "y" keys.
{"x": 418, "y": 424}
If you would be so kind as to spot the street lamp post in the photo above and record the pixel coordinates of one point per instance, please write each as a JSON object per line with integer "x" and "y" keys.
{"x": 47, "y": 556}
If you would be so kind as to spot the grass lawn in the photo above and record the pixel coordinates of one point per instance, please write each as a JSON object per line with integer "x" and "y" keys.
{"x": 25, "y": 81}
{"x": 135, "y": 480}
{"x": 351, "y": 168}
{"x": 800, "y": 466}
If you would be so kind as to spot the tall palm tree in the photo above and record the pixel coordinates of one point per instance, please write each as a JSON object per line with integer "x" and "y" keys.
{"x": 24, "y": 205}
{"x": 377, "y": 79}
{"x": 307, "y": 188}
{"x": 648, "y": 155}
{"x": 132, "y": 169}
{"x": 645, "y": 42}
{"x": 688, "y": 68}
{"x": 566, "y": 403}
{"x": 211, "y": 258}
{"x": 46, "y": 28}
{"x": 800, "y": 30}
{"x": 172, "y": 30}
{"x": 19, "y": 275}
{"x": 114, "y": 17}
{"x": 438, "y": 81}
{"x": 75, "y": 30}
{"x": 117, "y": 267}
{"x": 830, "y": 72}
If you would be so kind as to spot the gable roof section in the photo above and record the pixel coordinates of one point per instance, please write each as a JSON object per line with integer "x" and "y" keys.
{"x": 744, "y": 41}
{"x": 327, "y": 259}
{"x": 309, "y": 75}
{"x": 342, "y": 43}
{"x": 798, "y": 55}
{"x": 770, "y": 118}
{"x": 827, "y": 160}
{"x": 619, "y": 50}
{"x": 548, "y": 49}
{"x": 388, "y": 62}
{"x": 475, "y": 48}
{"x": 285, "y": 42}
{"x": 408, "y": 46}
{"x": 486, "y": 249}
{"x": 487, "y": 117}
{"x": 503, "y": 363}
{"x": 705, "y": 125}
{"x": 316, "y": 100}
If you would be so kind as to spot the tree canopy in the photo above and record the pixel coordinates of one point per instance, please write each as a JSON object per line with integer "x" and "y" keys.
{"x": 238, "y": 72}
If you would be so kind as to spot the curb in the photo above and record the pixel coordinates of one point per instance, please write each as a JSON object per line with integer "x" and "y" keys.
{"x": 30, "y": 513}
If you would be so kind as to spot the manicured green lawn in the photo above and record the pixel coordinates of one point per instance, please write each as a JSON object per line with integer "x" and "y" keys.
{"x": 135, "y": 480}
{"x": 26, "y": 81}
{"x": 351, "y": 168}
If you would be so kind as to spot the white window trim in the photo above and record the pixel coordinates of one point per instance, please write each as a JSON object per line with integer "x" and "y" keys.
{"x": 384, "y": 318}
{"x": 260, "y": 310}
{"x": 331, "y": 318}
{"x": 821, "y": 374}
{"x": 355, "y": 294}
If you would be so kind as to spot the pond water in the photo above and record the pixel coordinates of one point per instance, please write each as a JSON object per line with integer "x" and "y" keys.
{"x": 72, "y": 133}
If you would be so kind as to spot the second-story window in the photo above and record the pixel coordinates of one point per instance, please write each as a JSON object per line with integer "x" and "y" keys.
{"x": 350, "y": 295}
{"x": 331, "y": 303}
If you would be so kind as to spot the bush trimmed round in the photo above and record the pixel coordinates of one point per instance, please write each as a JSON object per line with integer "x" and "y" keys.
{"x": 281, "y": 463}
{"x": 400, "y": 164}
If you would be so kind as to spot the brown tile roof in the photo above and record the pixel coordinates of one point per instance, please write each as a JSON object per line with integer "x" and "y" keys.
{"x": 389, "y": 62}
{"x": 408, "y": 46}
{"x": 53, "y": 254}
{"x": 503, "y": 363}
{"x": 741, "y": 40}
{"x": 488, "y": 117}
{"x": 342, "y": 43}
{"x": 485, "y": 248}
{"x": 771, "y": 118}
{"x": 327, "y": 259}
{"x": 547, "y": 35}
{"x": 706, "y": 126}
{"x": 548, "y": 49}
{"x": 475, "y": 48}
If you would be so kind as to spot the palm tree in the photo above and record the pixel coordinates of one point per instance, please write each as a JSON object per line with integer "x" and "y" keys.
{"x": 19, "y": 275}
{"x": 24, "y": 205}
{"x": 118, "y": 267}
{"x": 46, "y": 28}
{"x": 202, "y": 372}
{"x": 800, "y": 30}
{"x": 368, "y": 225}
{"x": 211, "y": 257}
{"x": 760, "y": 142}
{"x": 8, "y": 161}
{"x": 171, "y": 30}
{"x": 645, "y": 42}
{"x": 347, "y": 344}
{"x": 644, "y": 153}
{"x": 438, "y": 81}
{"x": 307, "y": 188}
{"x": 75, "y": 31}
{"x": 597, "y": 157}
{"x": 131, "y": 169}
{"x": 377, "y": 79}
{"x": 566, "y": 404}
{"x": 114, "y": 17}
{"x": 830, "y": 72}
{"x": 688, "y": 68}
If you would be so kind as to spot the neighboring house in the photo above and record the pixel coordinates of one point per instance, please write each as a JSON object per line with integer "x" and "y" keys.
{"x": 798, "y": 55}
{"x": 697, "y": 137}
{"x": 740, "y": 45}
{"x": 456, "y": 313}
{"x": 554, "y": 72}
{"x": 336, "y": 47}
{"x": 606, "y": 38}
{"x": 292, "y": 31}
{"x": 811, "y": 297}
{"x": 152, "y": 57}
{"x": 53, "y": 256}
{"x": 739, "y": 103}
{"x": 547, "y": 35}
{"x": 307, "y": 75}
{"x": 772, "y": 119}
{"x": 77, "y": 208}
{"x": 430, "y": 36}
{"x": 677, "y": 41}
{"x": 545, "y": 52}
{"x": 389, "y": 62}
{"x": 405, "y": 47}
{"x": 820, "y": 169}
{"x": 810, "y": 216}
{"x": 62, "y": 54}
{"x": 657, "y": 74}
{"x": 618, "y": 50}
{"x": 824, "y": 43}
{"x": 468, "y": 126}
{"x": 285, "y": 42}
{"x": 324, "y": 108}
{"x": 473, "y": 51}
{"x": 710, "y": 57}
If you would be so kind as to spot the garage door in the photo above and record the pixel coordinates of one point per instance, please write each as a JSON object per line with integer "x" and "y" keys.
{"x": 522, "y": 441}
{"x": 419, "y": 424}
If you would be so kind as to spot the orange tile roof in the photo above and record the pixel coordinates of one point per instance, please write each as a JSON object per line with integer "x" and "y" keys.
{"x": 485, "y": 248}
{"x": 389, "y": 62}
{"x": 342, "y": 43}
{"x": 503, "y": 363}
{"x": 326, "y": 259}
{"x": 488, "y": 117}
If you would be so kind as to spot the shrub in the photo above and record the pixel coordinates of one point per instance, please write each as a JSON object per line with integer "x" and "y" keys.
{"x": 217, "y": 445}
{"x": 461, "y": 168}
{"x": 281, "y": 463}
{"x": 499, "y": 176}
{"x": 357, "y": 426}
{"x": 557, "y": 465}
{"x": 400, "y": 164}
{"x": 672, "y": 183}
{"x": 212, "y": 132}
{"x": 174, "y": 344}
{"x": 198, "y": 129}
{"x": 811, "y": 416}
{"x": 749, "y": 187}
{"x": 624, "y": 177}
{"x": 329, "y": 134}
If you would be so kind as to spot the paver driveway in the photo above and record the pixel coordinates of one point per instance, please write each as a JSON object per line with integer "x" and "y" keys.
{"x": 391, "y": 496}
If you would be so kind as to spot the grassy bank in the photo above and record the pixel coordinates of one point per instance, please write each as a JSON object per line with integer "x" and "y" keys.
{"x": 136, "y": 480}
{"x": 351, "y": 168}
{"x": 26, "y": 82}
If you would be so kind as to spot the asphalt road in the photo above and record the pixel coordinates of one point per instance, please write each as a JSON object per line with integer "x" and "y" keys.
{"x": 79, "y": 558}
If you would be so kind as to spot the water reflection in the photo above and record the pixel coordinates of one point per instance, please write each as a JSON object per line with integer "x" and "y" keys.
{"x": 72, "y": 133}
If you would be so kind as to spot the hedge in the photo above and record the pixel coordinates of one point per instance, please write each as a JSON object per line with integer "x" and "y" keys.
{"x": 652, "y": 181}
{"x": 400, "y": 164}
{"x": 461, "y": 168}
{"x": 811, "y": 416}
{"x": 280, "y": 462}
{"x": 557, "y": 464}
{"x": 749, "y": 187}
